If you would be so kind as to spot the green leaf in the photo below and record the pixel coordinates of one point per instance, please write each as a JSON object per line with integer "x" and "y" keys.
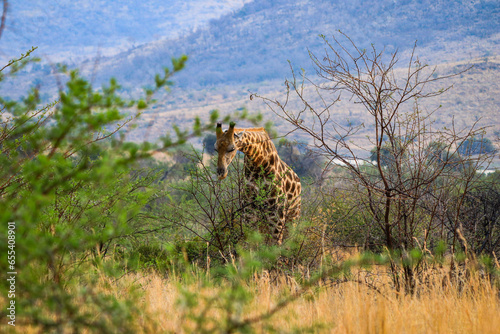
{"x": 142, "y": 104}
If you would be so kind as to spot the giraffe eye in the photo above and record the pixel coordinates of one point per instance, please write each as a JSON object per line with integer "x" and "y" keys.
{"x": 231, "y": 149}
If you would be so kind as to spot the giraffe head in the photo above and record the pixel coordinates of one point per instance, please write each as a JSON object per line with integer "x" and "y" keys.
{"x": 226, "y": 148}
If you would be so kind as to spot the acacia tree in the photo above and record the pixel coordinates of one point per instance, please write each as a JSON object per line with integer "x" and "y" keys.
{"x": 69, "y": 193}
{"x": 405, "y": 184}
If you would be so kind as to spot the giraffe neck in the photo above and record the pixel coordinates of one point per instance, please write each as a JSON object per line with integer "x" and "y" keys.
{"x": 260, "y": 152}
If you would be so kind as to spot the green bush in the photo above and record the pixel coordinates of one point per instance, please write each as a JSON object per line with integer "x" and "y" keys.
{"x": 67, "y": 186}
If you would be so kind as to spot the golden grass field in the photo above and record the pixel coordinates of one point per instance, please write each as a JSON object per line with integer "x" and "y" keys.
{"x": 438, "y": 306}
{"x": 345, "y": 308}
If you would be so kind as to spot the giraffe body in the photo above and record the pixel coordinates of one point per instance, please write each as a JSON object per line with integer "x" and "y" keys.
{"x": 272, "y": 196}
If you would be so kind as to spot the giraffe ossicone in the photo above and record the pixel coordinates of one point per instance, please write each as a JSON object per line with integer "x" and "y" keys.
{"x": 264, "y": 173}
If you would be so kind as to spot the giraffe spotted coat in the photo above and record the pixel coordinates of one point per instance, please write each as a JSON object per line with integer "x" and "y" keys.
{"x": 265, "y": 174}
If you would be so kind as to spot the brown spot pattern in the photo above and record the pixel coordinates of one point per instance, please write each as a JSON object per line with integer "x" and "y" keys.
{"x": 263, "y": 168}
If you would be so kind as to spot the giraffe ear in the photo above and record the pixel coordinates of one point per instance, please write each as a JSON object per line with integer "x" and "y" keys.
{"x": 218, "y": 130}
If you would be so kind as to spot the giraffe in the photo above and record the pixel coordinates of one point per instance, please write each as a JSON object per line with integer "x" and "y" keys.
{"x": 264, "y": 173}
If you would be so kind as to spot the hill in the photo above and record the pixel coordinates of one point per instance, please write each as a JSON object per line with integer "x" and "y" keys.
{"x": 254, "y": 43}
{"x": 247, "y": 51}
{"x": 70, "y": 31}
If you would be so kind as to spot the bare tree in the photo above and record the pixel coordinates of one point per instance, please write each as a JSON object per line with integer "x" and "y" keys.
{"x": 4, "y": 16}
{"x": 214, "y": 213}
{"x": 416, "y": 167}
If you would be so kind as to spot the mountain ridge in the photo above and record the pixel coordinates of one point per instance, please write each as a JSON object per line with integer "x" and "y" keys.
{"x": 255, "y": 42}
{"x": 70, "y": 30}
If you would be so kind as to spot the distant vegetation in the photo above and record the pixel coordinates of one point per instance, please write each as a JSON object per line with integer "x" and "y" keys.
{"x": 473, "y": 146}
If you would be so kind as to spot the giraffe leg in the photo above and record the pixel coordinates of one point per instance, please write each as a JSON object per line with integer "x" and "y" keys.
{"x": 279, "y": 228}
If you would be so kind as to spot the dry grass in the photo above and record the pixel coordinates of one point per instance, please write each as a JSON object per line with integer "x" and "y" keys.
{"x": 345, "y": 308}
{"x": 349, "y": 307}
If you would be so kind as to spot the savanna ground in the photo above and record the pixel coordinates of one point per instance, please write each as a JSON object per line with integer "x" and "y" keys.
{"x": 369, "y": 305}
{"x": 349, "y": 307}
